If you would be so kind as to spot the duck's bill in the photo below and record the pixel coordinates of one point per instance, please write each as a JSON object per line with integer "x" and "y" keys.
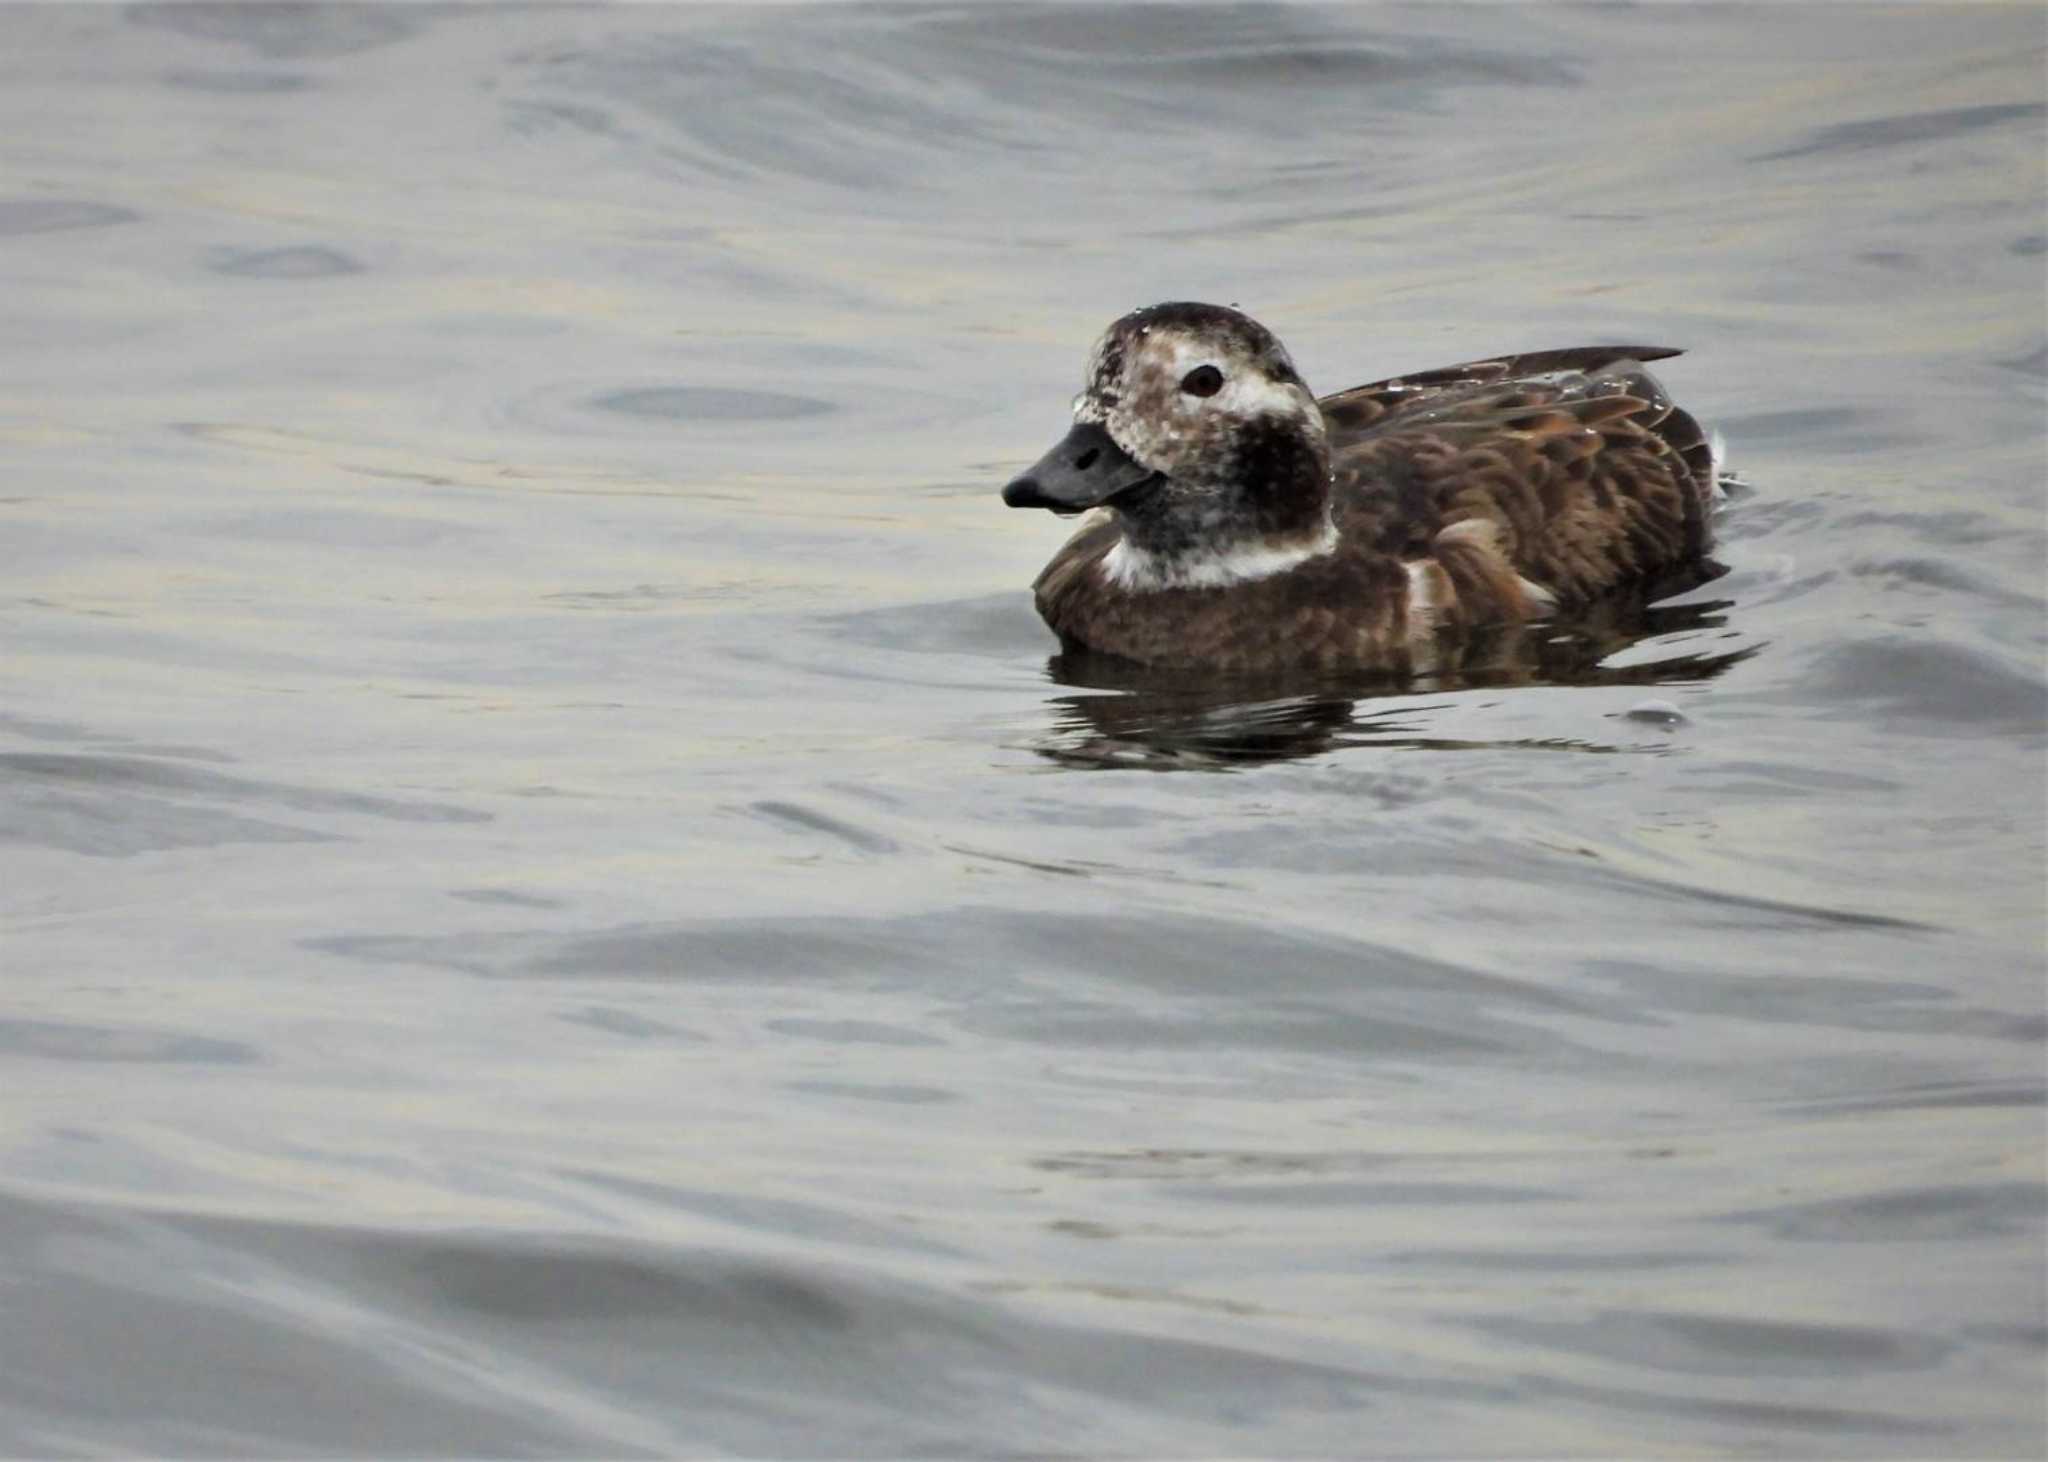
{"x": 1084, "y": 471}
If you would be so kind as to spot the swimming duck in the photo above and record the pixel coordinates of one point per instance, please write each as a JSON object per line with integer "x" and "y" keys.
{"x": 1249, "y": 526}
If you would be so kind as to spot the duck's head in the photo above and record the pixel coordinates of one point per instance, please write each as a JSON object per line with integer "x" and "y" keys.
{"x": 1193, "y": 415}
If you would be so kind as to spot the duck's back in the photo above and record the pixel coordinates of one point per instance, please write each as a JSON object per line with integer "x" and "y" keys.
{"x": 1588, "y": 475}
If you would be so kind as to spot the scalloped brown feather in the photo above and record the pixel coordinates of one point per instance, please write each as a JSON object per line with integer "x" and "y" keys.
{"x": 1593, "y": 477}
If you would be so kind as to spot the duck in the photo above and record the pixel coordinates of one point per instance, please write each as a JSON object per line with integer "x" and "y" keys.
{"x": 1239, "y": 523}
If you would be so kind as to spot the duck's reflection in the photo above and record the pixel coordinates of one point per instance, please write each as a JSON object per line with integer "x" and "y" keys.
{"x": 1140, "y": 716}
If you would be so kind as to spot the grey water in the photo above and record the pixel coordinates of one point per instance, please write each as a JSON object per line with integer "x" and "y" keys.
{"x": 555, "y": 899}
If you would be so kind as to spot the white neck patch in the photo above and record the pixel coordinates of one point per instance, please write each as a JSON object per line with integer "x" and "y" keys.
{"x": 1129, "y": 567}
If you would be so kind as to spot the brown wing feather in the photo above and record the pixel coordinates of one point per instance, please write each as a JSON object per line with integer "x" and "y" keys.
{"x": 1590, "y": 475}
{"x": 1370, "y": 405}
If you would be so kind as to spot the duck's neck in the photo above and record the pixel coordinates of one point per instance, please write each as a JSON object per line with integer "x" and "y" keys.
{"x": 1266, "y": 511}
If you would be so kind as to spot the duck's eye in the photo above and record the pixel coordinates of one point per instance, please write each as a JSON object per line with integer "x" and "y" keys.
{"x": 1204, "y": 380}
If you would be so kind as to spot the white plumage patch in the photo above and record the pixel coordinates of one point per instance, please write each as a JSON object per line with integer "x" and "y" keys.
{"x": 1161, "y": 427}
{"x": 1429, "y": 594}
{"x": 1126, "y": 567}
{"x": 1541, "y": 600}
{"x": 1246, "y": 392}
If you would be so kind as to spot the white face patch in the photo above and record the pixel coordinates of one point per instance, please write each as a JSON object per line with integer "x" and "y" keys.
{"x": 1247, "y": 391}
{"x": 1135, "y": 394}
{"x": 1128, "y": 567}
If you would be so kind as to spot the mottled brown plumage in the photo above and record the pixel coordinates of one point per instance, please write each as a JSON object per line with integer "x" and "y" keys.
{"x": 1368, "y": 530}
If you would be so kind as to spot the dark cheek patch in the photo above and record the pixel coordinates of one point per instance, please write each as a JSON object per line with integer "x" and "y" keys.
{"x": 1284, "y": 475}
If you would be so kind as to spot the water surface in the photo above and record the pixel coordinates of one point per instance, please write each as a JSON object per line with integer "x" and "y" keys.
{"x": 558, "y": 902}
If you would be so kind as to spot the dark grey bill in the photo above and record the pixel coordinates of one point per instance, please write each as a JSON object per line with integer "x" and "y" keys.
{"x": 1083, "y": 471}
